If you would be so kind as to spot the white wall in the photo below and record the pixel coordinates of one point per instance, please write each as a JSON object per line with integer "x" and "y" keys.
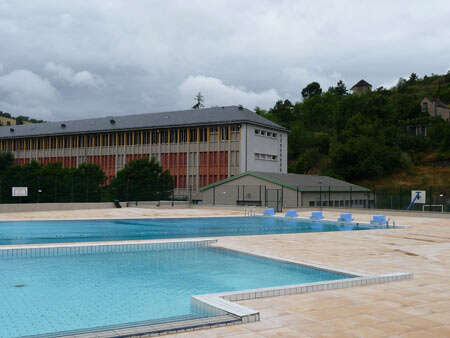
{"x": 252, "y": 143}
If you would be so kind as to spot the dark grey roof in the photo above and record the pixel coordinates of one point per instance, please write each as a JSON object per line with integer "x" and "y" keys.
{"x": 294, "y": 181}
{"x": 206, "y": 116}
{"x": 362, "y": 83}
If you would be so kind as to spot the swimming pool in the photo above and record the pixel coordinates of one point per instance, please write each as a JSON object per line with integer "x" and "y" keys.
{"x": 50, "y": 290}
{"x": 30, "y": 232}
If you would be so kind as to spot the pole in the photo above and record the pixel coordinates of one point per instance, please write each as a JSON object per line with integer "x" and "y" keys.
{"x": 320, "y": 196}
{"x": 214, "y": 195}
{"x": 351, "y": 198}
{"x": 329, "y": 196}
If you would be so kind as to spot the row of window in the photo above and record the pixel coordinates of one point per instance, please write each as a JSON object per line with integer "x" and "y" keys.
{"x": 336, "y": 203}
{"x": 163, "y": 136}
{"x": 267, "y": 133}
{"x": 267, "y": 157}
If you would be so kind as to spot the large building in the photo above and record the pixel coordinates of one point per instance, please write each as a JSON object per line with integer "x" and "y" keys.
{"x": 198, "y": 147}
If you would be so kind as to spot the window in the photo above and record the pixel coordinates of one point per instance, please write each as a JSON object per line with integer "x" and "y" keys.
{"x": 425, "y": 106}
{"x": 183, "y": 135}
{"x": 155, "y": 137}
{"x": 236, "y": 128}
{"x": 173, "y": 136}
{"x": 274, "y": 134}
{"x": 164, "y": 136}
{"x": 193, "y": 136}
{"x": 224, "y": 133}
{"x": 203, "y": 135}
{"x": 257, "y": 156}
{"x": 269, "y": 134}
{"x": 311, "y": 203}
{"x": 257, "y": 131}
{"x": 263, "y": 133}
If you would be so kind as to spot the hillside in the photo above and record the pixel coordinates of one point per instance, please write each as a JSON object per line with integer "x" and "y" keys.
{"x": 369, "y": 138}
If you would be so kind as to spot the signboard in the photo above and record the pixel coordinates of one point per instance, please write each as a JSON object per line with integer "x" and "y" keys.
{"x": 20, "y": 191}
{"x": 421, "y": 198}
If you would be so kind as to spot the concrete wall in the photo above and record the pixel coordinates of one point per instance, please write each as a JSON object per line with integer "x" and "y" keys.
{"x": 7, "y": 208}
{"x": 252, "y": 144}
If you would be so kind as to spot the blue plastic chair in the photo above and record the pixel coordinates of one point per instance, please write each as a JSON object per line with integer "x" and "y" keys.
{"x": 346, "y": 217}
{"x": 269, "y": 212}
{"x": 378, "y": 220}
{"x": 291, "y": 213}
{"x": 316, "y": 215}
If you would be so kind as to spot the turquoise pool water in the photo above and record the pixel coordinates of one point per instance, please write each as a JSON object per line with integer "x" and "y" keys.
{"x": 131, "y": 229}
{"x": 41, "y": 295}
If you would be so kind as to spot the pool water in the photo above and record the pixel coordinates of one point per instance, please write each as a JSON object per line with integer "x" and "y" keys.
{"x": 27, "y": 232}
{"x": 78, "y": 291}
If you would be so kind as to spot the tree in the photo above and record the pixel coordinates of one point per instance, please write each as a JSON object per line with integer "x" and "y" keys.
{"x": 142, "y": 180}
{"x": 413, "y": 78}
{"x": 198, "y": 101}
{"x": 340, "y": 89}
{"x": 6, "y": 160}
{"x": 311, "y": 90}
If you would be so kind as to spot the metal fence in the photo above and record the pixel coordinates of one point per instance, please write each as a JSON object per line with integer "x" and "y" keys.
{"x": 60, "y": 190}
{"x": 279, "y": 197}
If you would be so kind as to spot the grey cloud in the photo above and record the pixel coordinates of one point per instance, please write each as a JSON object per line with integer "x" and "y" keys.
{"x": 122, "y": 57}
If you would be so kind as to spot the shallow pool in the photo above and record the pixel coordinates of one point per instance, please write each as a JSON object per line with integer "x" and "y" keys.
{"x": 27, "y": 232}
{"x": 51, "y": 290}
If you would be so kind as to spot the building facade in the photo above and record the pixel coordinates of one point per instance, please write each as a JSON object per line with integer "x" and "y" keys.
{"x": 435, "y": 107}
{"x": 198, "y": 147}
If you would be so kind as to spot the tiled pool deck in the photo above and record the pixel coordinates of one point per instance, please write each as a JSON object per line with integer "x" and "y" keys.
{"x": 412, "y": 308}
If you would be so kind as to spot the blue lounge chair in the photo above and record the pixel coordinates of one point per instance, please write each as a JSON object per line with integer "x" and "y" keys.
{"x": 346, "y": 217}
{"x": 291, "y": 213}
{"x": 269, "y": 212}
{"x": 316, "y": 215}
{"x": 378, "y": 220}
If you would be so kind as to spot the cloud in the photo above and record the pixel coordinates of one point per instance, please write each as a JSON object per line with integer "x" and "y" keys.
{"x": 26, "y": 93}
{"x": 69, "y": 76}
{"x": 25, "y": 85}
{"x": 216, "y": 93}
{"x": 138, "y": 55}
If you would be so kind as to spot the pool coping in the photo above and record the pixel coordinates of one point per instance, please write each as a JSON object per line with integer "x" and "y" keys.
{"x": 221, "y": 304}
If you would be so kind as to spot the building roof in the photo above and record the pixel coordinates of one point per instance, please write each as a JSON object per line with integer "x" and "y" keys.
{"x": 206, "y": 116}
{"x": 296, "y": 181}
{"x": 438, "y": 101}
{"x": 362, "y": 83}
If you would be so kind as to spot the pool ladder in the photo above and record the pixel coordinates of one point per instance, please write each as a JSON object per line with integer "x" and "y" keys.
{"x": 387, "y": 223}
{"x": 250, "y": 212}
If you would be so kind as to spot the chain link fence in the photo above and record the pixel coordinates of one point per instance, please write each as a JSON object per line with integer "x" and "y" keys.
{"x": 74, "y": 189}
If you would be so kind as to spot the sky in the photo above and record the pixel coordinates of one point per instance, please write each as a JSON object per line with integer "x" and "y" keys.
{"x": 63, "y": 60}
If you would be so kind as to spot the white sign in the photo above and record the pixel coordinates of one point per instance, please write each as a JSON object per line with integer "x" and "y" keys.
{"x": 20, "y": 191}
{"x": 421, "y": 198}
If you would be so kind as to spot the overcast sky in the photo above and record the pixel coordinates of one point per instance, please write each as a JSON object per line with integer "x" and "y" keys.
{"x": 77, "y": 59}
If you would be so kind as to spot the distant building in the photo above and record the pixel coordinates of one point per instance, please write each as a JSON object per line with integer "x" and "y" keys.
{"x": 198, "y": 146}
{"x": 361, "y": 87}
{"x": 10, "y": 121}
{"x": 7, "y": 121}
{"x": 435, "y": 107}
{"x": 282, "y": 190}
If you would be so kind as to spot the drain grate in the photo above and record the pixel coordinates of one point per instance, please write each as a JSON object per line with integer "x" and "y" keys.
{"x": 19, "y": 285}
